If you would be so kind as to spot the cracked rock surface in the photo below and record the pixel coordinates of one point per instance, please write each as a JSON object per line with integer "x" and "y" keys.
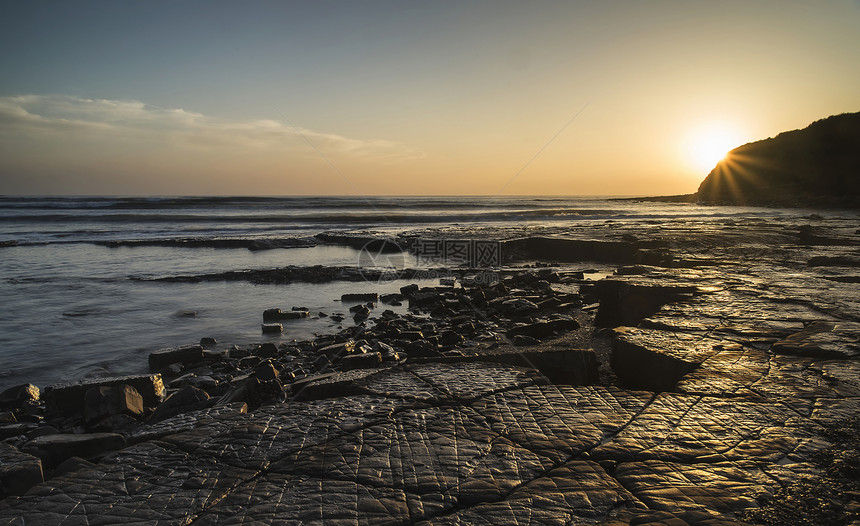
{"x": 726, "y": 386}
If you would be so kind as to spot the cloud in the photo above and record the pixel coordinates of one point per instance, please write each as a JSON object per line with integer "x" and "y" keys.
{"x": 48, "y": 118}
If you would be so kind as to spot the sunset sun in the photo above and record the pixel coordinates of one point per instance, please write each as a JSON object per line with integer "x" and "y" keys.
{"x": 708, "y": 144}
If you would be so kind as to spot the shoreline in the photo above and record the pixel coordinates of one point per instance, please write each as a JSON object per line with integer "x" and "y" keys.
{"x": 727, "y": 356}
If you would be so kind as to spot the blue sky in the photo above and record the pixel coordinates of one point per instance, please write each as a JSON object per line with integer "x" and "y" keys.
{"x": 407, "y": 97}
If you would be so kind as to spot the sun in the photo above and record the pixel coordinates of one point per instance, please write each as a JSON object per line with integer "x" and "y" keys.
{"x": 707, "y": 144}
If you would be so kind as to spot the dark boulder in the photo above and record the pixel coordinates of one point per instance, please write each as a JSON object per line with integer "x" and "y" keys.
{"x": 16, "y": 397}
{"x": 68, "y": 399}
{"x": 272, "y": 328}
{"x": 102, "y": 402}
{"x": 183, "y": 401}
{"x": 19, "y": 471}
{"x": 161, "y": 358}
{"x": 276, "y": 315}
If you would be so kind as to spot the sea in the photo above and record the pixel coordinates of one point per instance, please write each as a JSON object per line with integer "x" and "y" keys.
{"x": 80, "y": 289}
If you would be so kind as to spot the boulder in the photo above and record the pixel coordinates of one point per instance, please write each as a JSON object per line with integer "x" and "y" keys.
{"x": 266, "y": 371}
{"x": 360, "y": 298}
{"x": 183, "y": 401}
{"x": 68, "y": 399}
{"x": 101, "y": 402}
{"x": 15, "y": 397}
{"x": 253, "y": 392}
{"x": 275, "y": 315}
{"x": 267, "y": 350}
{"x": 337, "y": 350}
{"x": 272, "y": 328}
{"x": 408, "y": 290}
{"x": 18, "y": 471}
{"x": 161, "y": 358}
{"x": 361, "y": 361}
{"x": 362, "y": 313}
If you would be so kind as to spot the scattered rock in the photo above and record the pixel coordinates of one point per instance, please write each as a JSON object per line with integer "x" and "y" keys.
{"x": 160, "y": 359}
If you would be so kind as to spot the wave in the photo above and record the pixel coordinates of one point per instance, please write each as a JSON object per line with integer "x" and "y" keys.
{"x": 284, "y": 203}
{"x": 250, "y": 244}
{"x": 346, "y": 218}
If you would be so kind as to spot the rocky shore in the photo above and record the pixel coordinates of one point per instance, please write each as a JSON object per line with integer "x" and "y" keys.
{"x": 712, "y": 378}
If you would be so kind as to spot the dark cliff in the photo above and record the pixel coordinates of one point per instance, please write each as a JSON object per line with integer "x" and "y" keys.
{"x": 818, "y": 166}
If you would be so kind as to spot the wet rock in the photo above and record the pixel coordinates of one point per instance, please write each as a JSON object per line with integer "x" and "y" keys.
{"x": 387, "y": 352}
{"x": 409, "y": 289}
{"x": 68, "y": 399}
{"x": 266, "y": 371}
{"x": 16, "y": 397}
{"x": 714, "y": 489}
{"x": 361, "y": 308}
{"x": 160, "y": 359}
{"x": 18, "y": 471}
{"x": 276, "y": 315}
{"x": 54, "y": 449}
{"x": 362, "y": 313}
{"x": 361, "y": 361}
{"x": 329, "y": 385}
{"x": 337, "y": 350}
{"x": 363, "y": 298}
{"x": 207, "y": 341}
{"x": 253, "y": 391}
{"x": 823, "y": 339}
{"x": 185, "y": 400}
{"x": 392, "y": 299}
{"x": 102, "y": 402}
{"x": 267, "y": 350}
{"x": 272, "y": 328}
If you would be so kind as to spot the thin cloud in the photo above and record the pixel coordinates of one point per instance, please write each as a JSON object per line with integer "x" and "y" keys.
{"x": 42, "y": 117}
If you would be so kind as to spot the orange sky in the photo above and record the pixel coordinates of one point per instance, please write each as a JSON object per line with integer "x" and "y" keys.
{"x": 411, "y": 98}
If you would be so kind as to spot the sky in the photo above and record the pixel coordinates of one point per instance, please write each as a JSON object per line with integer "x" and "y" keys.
{"x": 405, "y": 97}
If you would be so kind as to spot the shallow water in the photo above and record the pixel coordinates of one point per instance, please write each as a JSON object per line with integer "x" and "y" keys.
{"x": 72, "y": 308}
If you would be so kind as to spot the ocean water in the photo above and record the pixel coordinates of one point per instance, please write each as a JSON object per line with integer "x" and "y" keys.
{"x": 75, "y": 295}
